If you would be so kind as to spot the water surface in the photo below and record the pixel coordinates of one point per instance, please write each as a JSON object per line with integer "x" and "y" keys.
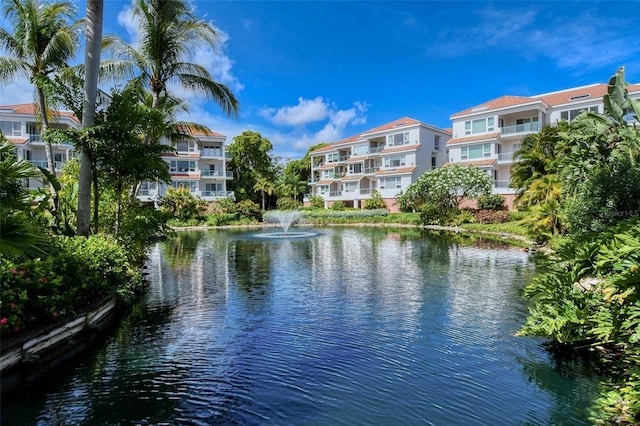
{"x": 347, "y": 327}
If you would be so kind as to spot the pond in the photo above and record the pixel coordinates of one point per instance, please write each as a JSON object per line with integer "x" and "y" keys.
{"x": 342, "y": 326}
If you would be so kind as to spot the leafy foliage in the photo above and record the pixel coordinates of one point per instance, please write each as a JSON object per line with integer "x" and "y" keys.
{"x": 491, "y": 202}
{"x": 375, "y": 202}
{"x": 182, "y": 204}
{"x": 446, "y": 187}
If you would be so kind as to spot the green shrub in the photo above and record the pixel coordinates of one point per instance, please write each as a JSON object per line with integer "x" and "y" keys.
{"x": 434, "y": 214}
{"x": 316, "y": 202}
{"x": 491, "y": 202}
{"x": 77, "y": 273}
{"x": 338, "y": 205}
{"x": 375, "y": 202}
{"x": 182, "y": 204}
{"x": 288, "y": 203}
{"x": 246, "y": 209}
{"x": 220, "y": 219}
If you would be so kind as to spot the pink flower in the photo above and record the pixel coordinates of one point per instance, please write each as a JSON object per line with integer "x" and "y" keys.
{"x": 13, "y": 271}
{"x": 43, "y": 280}
{"x": 3, "y": 321}
{"x": 13, "y": 306}
{"x": 55, "y": 314}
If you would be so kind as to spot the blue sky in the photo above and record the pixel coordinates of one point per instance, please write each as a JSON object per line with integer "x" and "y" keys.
{"x": 312, "y": 71}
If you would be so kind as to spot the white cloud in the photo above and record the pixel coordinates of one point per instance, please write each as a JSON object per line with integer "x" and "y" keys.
{"x": 307, "y": 111}
{"x": 583, "y": 41}
{"x": 130, "y": 23}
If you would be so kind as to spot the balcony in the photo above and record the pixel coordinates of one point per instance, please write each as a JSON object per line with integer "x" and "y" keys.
{"x": 216, "y": 174}
{"x": 366, "y": 191}
{"x": 506, "y": 157}
{"x": 375, "y": 150}
{"x": 43, "y": 163}
{"x": 339, "y": 159}
{"x": 35, "y": 137}
{"x": 520, "y": 128}
{"x": 211, "y": 153}
{"x": 371, "y": 170}
{"x": 217, "y": 194}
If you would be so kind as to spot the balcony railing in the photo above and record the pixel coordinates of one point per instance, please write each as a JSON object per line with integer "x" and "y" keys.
{"x": 505, "y": 157}
{"x": 501, "y": 184}
{"x": 211, "y": 152}
{"x": 216, "y": 173}
{"x": 371, "y": 170}
{"x": 35, "y": 137}
{"x": 365, "y": 191}
{"x": 375, "y": 150}
{"x": 217, "y": 194}
{"x": 520, "y": 128}
{"x": 43, "y": 163}
{"x": 335, "y": 193}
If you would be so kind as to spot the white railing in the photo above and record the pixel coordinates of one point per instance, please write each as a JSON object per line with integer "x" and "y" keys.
{"x": 211, "y": 152}
{"x": 217, "y": 194}
{"x": 520, "y": 128}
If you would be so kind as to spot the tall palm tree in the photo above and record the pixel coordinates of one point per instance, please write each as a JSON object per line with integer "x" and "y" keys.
{"x": 95, "y": 11}
{"x": 264, "y": 186}
{"x": 43, "y": 39}
{"x": 169, "y": 34}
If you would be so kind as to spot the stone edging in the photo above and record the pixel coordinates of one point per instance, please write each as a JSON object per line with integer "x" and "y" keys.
{"x": 34, "y": 347}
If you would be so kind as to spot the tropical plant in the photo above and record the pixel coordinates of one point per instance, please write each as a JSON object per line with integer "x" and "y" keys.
{"x": 491, "y": 202}
{"x": 447, "y": 187}
{"x": 42, "y": 40}
{"x": 20, "y": 237}
{"x": 95, "y": 12}
{"x": 250, "y": 160}
{"x": 375, "y": 202}
{"x": 169, "y": 35}
{"x": 264, "y": 186}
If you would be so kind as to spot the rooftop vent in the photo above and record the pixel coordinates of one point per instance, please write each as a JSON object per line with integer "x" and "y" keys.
{"x": 573, "y": 98}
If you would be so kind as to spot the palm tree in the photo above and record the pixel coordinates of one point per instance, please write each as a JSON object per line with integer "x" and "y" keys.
{"x": 95, "y": 11}
{"x": 169, "y": 34}
{"x": 264, "y": 186}
{"x": 43, "y": 39}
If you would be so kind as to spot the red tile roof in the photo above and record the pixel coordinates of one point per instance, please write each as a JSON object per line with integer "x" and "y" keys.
{"x": 17, "y": 141}
{"x": 593, "y": 91}
{"x": 474, "y": 138}
{"x": 401, "y": 122}
{"x": 396, "y": 171}
{"x": 479, "y": 163}
{"x": 31, "y": 109}
{"x": 400, "y": 148}
{"x": 199, "y": 132}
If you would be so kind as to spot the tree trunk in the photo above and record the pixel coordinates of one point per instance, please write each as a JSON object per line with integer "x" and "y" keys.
{"x": 95, "y": 11}
{"x": 48, "y": 152}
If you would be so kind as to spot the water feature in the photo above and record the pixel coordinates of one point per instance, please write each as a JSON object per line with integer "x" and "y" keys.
{"x": 353, "y": 327}
{"x": 285, "y": 219}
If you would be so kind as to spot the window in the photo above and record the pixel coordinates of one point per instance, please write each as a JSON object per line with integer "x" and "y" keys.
{"x": 391, "y": 183}
{"x": 213, "y": 187}
{"x": 11, "y": 128}
{"x": 398, "y": 139}
{"x": 191, "y": 185}
{"x": 394, "y": 161}
{"x": 183, "y": 166}
{"x": 359, "y": 150}
{"x": 355, "y": 168}
{"x": 323, "y": 189}
{"x": 186, "y": 146}
{"x": 332, "y": 158}
{"x": 481, "y": 125}
{"x": 526, "y": 124}
{"x": 351, "y": 187}
{"x": 436, "y": 142}
{"x": 571, "y": 114}
{"x": 433, "y": 162}
{"x": 211, "y": 151}
{"x": 473, "y": 152}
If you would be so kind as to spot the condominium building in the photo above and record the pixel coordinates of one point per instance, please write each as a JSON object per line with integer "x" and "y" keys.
{"x": 20, "y": 124}
{"x": 487, "y": 135}
{"x": 199, "y": 164}
{"x": 387, "y": 158}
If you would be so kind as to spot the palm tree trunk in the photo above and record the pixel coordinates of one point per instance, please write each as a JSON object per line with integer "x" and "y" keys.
{"x": 48, "y": 151}
{"x": 95, "y": 11}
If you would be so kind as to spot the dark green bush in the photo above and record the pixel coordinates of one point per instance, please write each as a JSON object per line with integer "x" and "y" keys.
{"x": 288, "y": 203}
{"x": 491, "y": 202}
{"x": 338, "y": 205}
{"x": 375, "y": 202}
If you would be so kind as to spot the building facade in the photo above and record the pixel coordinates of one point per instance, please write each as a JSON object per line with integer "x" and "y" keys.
{"x": 21, "y": 126}
{"x": 386, "y": 159}
{"x": 199, "y": 164}
{"x": 487, "y": 135}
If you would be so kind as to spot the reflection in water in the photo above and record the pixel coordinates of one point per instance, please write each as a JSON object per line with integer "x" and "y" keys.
{"x": 354, "y": 326}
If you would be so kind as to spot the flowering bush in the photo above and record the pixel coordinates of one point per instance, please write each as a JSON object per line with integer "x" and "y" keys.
{"x": 77, "y": 273}
{"x": 491, "y": 216}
